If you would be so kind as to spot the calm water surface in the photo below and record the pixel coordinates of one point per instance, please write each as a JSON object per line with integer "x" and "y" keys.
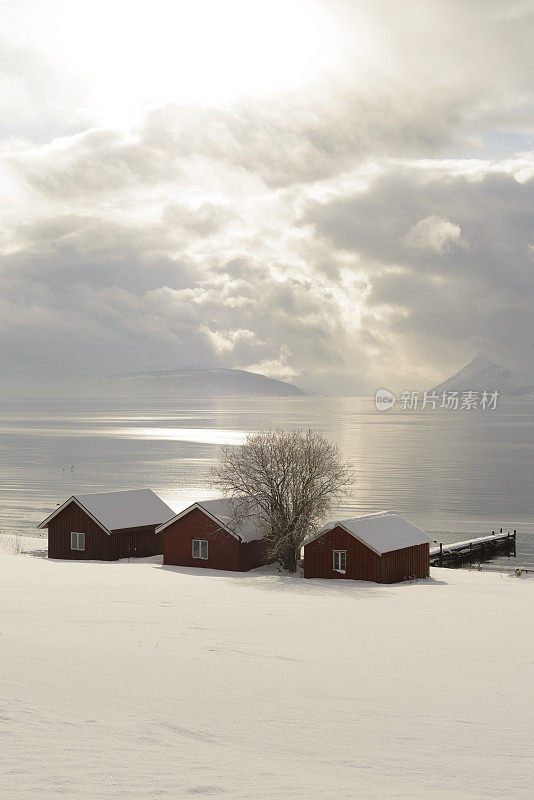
{"x": 449, "y": 472}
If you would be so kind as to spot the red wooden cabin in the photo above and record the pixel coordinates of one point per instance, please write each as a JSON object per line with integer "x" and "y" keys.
{"x": 107, "y": 526}
{"x": 382, "y": 547}
{"x": 204, "y": 535}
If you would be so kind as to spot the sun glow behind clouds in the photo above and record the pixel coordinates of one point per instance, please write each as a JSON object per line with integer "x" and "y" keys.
{"x": 133, "y": 54}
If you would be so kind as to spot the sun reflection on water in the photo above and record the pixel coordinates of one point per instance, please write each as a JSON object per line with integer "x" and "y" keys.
{"x": 200, "y": 435}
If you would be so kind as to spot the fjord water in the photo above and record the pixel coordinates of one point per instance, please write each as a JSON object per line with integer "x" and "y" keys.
{"x": 454, "y": 473}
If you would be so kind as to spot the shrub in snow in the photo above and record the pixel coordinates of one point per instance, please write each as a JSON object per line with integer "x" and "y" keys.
{"x": 11, "y": 543}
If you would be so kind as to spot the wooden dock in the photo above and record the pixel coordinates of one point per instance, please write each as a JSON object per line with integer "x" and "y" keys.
{"x": 471, "y": 550}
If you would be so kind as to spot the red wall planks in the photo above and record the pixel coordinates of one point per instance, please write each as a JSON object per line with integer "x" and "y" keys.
{"x": 401, "y": 565}
{"x": 97, "y": 541}
{"x": 99, "y": 546}
{"x": 224, "y": 550}
{"x": 253, "y": 554}
{"x": 363, "y": 563}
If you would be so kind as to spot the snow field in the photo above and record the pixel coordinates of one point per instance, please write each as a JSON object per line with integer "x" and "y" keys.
{"x": 131, "y": 680}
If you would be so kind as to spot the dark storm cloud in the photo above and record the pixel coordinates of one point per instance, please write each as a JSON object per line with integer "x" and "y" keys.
{"x": 203, "y": 221}
{"x": 466, "y": 274}
{"x": 94, "y": 163}
{"x": 287, "y": 141}
{"x": 207, "y": 324}
{"x": 302, "y": 139}
{"x": 310, "y": 233}
{"x": 437, "y": 261}
{"x": 95, "y": 251}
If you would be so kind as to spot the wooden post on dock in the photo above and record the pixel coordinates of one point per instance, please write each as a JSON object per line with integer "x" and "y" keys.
{"x": 441, "y": 554}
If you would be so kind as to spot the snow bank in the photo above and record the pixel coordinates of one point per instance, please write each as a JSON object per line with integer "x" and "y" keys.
{"x": 132, "y": 680}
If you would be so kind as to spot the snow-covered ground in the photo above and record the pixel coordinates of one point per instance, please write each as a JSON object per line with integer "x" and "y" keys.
{"x": 131, "y": 680}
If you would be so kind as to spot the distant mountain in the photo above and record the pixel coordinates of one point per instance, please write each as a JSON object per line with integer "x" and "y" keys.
{"x": 493, "y": 373}
{"x": 197, "y": 382}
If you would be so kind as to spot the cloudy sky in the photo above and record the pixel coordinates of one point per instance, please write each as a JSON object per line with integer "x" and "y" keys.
{"x": 337, "y": 193}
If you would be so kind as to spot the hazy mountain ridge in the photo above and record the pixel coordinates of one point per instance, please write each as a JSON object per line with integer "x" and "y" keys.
{"x": 508, "y": 376}
{"x": 199, "y": 382}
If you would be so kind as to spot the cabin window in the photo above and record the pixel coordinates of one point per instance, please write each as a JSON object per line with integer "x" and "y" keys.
{"x": 77, "y": 541}
{"x": 200, "y": 548}
{"x": 340, "y": 560}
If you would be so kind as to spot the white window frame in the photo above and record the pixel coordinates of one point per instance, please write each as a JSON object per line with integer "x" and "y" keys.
{"x": 77, "y": 540}
{"x": 342, "y": 557}
{"x": 202, "y": 549}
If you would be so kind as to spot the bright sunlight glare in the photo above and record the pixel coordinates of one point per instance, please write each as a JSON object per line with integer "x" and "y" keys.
{"x": 129, "y": 55}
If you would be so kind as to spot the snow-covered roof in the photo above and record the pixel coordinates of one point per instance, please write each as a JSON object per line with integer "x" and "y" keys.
{"x": 382, "y": 532}
{"x": 116, "y": 510}
{"x": 220, "y": 510}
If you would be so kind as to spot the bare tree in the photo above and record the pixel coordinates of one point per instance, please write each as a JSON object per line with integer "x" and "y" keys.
{"x": 285, "y": 482}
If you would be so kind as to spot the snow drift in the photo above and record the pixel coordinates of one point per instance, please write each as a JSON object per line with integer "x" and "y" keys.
{"x": 129, "y": 680}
